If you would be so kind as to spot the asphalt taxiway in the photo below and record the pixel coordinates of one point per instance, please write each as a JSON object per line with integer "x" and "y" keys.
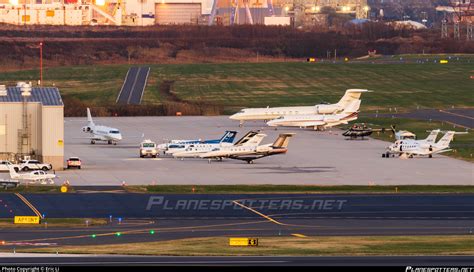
{"x": 171, "y": 217}
{"x": 322, "y": 158}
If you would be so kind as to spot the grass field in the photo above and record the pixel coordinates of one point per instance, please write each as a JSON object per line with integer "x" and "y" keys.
{"x": 237, "y": 85}
{"x": 217, "y": 246}
{"x": 463, "y": 144}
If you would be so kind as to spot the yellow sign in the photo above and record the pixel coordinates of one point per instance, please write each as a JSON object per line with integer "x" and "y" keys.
{"x": 243, "y": 241}
{"x": 26, "y": 220}
{"x": 443, "y": 61}
{"x": 60, "y": 142}
{"x": 63, "y": 189}
{"x": 50, "y": 13}
{"x": 311, "y": 60}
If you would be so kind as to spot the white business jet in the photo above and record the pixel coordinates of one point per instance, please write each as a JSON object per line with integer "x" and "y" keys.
{"x": 254, "y": 114}
{"x": 319, "y": 121}
{"x": 101, "y": 133}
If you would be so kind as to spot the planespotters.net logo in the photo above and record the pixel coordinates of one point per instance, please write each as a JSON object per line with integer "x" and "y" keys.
{"x": 439, "y": 269}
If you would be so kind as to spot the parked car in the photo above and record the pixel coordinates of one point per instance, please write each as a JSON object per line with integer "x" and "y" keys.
{"x": 5, "y": 164}
{"x": 74, "y": 162}
{"x": 27, "y": 165}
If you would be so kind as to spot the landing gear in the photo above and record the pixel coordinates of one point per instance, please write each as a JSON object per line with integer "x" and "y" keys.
{"x": 241, "y": 123}
{"x": 209, "y": 161}
{"x": 250, "y": 162}
{"x": 92, "y": 142}
{"x": 430, "y": 156}
{"x": 109, "y": 142}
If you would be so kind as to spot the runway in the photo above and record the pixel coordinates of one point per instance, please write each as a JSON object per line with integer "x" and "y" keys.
{"x": 133, "y": 86}
{"x": 190, "y": 216}
{"x": 107, "y": 260}
{"x": 318, "y": 158}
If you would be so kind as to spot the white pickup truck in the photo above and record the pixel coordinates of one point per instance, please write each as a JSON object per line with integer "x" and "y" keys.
{"x": 148, "y": 148}
{"x": 27, "y": 165}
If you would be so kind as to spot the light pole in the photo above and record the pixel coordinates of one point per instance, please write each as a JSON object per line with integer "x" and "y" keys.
{"x": 41, "y": 63}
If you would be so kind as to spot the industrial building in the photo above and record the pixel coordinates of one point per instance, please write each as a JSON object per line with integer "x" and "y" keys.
{"x": 32, "y": 124}
{"x": 165, "y": 12}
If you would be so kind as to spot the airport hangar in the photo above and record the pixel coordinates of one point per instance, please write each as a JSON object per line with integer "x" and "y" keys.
{"x": 32, "y": 124}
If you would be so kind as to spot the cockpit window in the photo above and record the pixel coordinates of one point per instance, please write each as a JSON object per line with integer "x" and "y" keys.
{"x": 114, "y": 132}
{"x": 150, "y": 145}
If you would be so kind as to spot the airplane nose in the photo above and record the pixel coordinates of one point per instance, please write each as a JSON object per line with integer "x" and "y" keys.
{"x": 234, "y": 116}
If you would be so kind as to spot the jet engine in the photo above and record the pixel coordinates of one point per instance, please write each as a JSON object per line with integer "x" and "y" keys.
{"x": 327, "y": 109}
{"x": 87, "y": 129}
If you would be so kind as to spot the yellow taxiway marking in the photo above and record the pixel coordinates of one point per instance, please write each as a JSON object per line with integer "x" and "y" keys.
{"x": 299, "y": 235}
{"x": 22, "y": 198}
{"x": 259, "y": 213}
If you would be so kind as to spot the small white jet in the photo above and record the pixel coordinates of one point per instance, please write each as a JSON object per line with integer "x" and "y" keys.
{"x": 101, "y": 133}
{"x": 195, "y": 150}
{"x": 254, "y": 114}
{"x": 427, "y": 147}
{"x": 252, "y": 151}
{"x": 175, "y": 146}
{"x": 319, "y": 121}
{"x": 32, "y": 177}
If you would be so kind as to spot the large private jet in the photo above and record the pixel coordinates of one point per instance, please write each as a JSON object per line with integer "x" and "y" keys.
{"x": 32, "y": 177}
{"x": 427, "y": 147}
{"x": 101, "y": 133}
{"x": 319, "y": 121}
{"x": 252, "y": 138}
{"x": 253, "y": 114}
{"x": 251, "y": 152}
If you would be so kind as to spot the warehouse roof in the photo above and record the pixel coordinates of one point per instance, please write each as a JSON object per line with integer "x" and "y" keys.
{"x": 47, "y": 96}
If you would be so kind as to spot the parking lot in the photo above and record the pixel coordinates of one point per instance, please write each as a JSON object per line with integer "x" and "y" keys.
{"x": 319, "y": 158}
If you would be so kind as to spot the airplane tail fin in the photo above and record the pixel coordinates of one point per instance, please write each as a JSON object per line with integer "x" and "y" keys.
{"x": 445, "y": 140}
{"x": 255, "y": 140}
{"x": 13, "y": 173}
{"x": 283, "y": 140}
{"x": 349, "y": 96}
{"x": 89, "y": 117}
{"x": 352, "y": 107}
{"x": 228, "y": 137}
{"x": 432, "y": 137}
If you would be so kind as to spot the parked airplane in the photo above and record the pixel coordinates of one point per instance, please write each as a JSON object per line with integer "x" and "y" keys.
{"x": 251, "y": 152}
{"x": 253, "y": 114}
{"x": 426, "y": 147}
{"x": 252, "y": 138}
{"x": 101, "y": 133}
{"x": 318, "y": 121}
{"x": 181, "y": 145}
{"x": 34, "y": 176}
